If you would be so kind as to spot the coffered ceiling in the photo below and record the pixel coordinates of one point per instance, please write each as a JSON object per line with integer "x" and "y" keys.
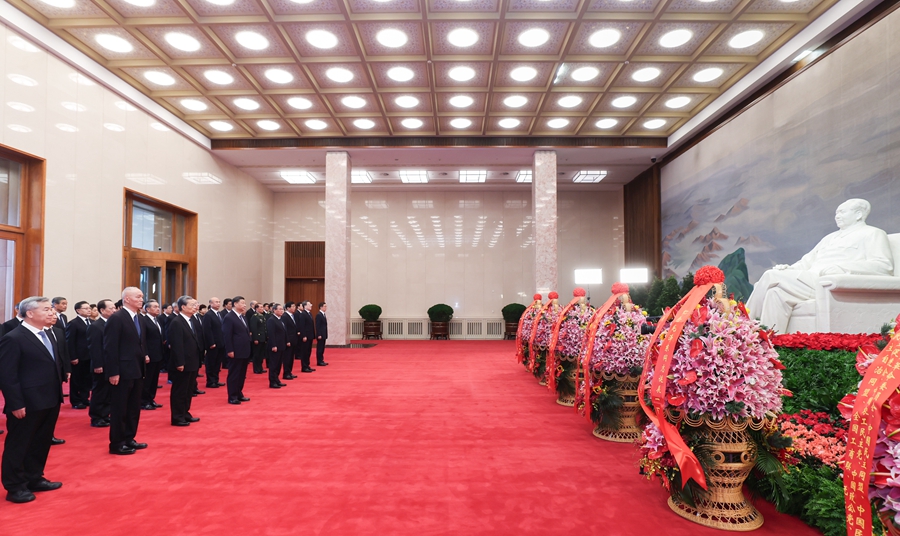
{"x": 287, "y": 68}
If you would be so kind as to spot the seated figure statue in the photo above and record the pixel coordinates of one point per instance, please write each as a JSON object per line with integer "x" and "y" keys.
{"x": 856, "y": 248}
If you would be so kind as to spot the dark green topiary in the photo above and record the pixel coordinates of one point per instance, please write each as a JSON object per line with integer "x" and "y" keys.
{"x": 670, "y": 295}
{"x": 512, "y": 312}
{"x": 656, "y": 289}
{"x": 370, "y": 313}
{"x": 687, "y": 284}
{"x": 440, "y": 313}
{"x": 640, "y": 294}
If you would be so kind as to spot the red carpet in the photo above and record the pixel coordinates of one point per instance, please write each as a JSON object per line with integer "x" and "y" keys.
{"x": 408, "y": 437}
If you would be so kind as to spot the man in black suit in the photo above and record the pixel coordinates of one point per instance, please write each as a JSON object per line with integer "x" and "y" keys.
{"x": 321, "y": 335}
{"x": 258, "y": 332}
{"x": 236, "y": 335}
{"x": 124, "y": 364}
{"x": 290, "y": 329}
{"x": 58, "y": 338}
{"x": 226, "y": 308}
{"x": 212, "y": 335}
{"x": 13, "y": 322}
{"x": 276, "y": 344}
{"x": 31, "y": 376}
{"x": 77, "y": 343}
{"x": 154, "y": 339}
{"x": 100, "y": 388}
{"x": 307, "y": 332}
{"x": 185, "y": 350}
{"x": 61, "y": 305}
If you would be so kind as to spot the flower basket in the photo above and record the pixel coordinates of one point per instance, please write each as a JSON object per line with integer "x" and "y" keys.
{"x": 565, "y": 348}
{"x": 524, "y": 328}
{"x": 541, "y": 333}
{"x": 628, "y": 430}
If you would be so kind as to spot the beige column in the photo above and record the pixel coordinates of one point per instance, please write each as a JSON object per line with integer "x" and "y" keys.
{"x": 337, "y": 246}
{"x": 543, "y": 197}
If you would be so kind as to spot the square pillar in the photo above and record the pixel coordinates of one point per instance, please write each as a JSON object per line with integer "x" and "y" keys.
{"x": 543, "y": 202}
{"x": 337, "y": 246}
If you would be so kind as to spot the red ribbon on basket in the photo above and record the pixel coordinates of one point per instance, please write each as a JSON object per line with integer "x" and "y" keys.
{"x": 537, "y": 322}
{"x": 591, "y": 335}
{"x": 577, "y": 294}
{"x": 520, "y": 354}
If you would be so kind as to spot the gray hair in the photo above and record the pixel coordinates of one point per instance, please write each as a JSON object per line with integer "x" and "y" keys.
{"x": 129, "y": 290}
{"x": 148, "y": 303}
{"x": 31, "y": 303}
{"x": 183, "y": 300}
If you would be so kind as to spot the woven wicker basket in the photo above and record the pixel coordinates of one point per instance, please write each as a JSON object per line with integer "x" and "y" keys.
{"x": 629, "y": 432}
{"x": 573, "y": 375}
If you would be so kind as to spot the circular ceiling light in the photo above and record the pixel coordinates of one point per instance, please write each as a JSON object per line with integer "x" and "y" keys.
{"x": 583, "y": 74}
{"x": 339, "y": 75}
{"x": 267, "y": 124}
{"x": 461, "y": 74}
{"x": 74, "y": 106}
{"x": 194, "y": 105}
{"x": 364, "y": 124}
{"x": 460, "y": 122}
{"x": 65, "y": 4}
{"x": 708, "y": 75}
{"x": 300, "y": 103}
{"x": 509, "y": 122}
{"x": 406, "y": 101}
{"x": 654, "y": 124}
{"x": 182, "y": 41}
{"x": 302, "y": 1}
{"x": 316, "y": 124}
{"x": 523, "y": 74}
{"x": 746, "y": 39}
{"x": 159, "y": 126}
{"x": 391, "y": 38}
{"x": 66, "y": 128}
{"x": 624, "y": 102}
{"x": 462, "y": 37}
{"x": 113, "y": 43}
{"x": 122, "y": 105}
{"x": 678, "y": 102}
{"x": 461, "y": 101}
{"x": 606, "y": 123}
{"x": 353, "y": 102}
{"x": 113, "y": 127}
{"x": 279, "y": 76}
{"x": 569, "y": 101}
{"x": 218, "y": 77}
{"x": 22, "y": 80}
{"x": 246, "y": 104}
{"x": 559, "y": 122}
{"x": 21, "y": 44}
{"x": 141, "y": 3}
{"x": 221, "y": 126}
{"x": 534, "y": 37}
{"x": 252, "y": 40}
{"x": 159, "y": 78}
{"x": 221, "y": 2}
{"x": 515, "y": 101}
{"x": 400, "y": 74}
{"x": 321, "y": 39}
{"x": 412, "y": 123}
{"x": 675, "y": 38}
{"x": 606, "y": 37}
{"x": 20, "y": 106}
{"x": 646, "y": 74}
{"x": 19, "y": 128}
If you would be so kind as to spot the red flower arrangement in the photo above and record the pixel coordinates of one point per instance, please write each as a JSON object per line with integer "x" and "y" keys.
{"x": 825, "y": 341}
{"x": 817, "y": 436}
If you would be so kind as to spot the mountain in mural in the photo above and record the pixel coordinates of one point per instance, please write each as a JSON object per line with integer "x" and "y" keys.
{"x": 677, "y": 235}
{"x": 713, "y": 235}
{"x": 735, "y": 209}
{"x": 751, "y": 240}
{"x": 706, "y": 255}
{"x": 736, "y": 280}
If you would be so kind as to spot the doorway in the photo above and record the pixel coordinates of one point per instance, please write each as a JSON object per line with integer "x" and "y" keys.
{"x": 304, "y": 272}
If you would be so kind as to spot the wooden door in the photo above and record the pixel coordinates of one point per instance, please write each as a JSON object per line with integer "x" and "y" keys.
{"x": 304, "y": 272}
{"x": 298, "y": 290}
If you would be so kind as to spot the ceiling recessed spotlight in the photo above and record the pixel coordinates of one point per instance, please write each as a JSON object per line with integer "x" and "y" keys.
{"x": 412, "y": 123}
{"x": 569, "y": 101}
{"x": 316, "y": 124}
{"x": 675, "y": 38}
{"x": 159, "y": 126}
{"x": 221, "y": 2}
{"x": 65, "y": 4}
{"x": 606, "y": 123}
{"x": 252, "y": 40}
{"x": 391, "y": 38}
{"x": 708, "y": 75}
{"x": 406, "y": 101}
{"x": 509, "y": 122}
{"x": 194, "y": 105}
{"x": 400, "y": 74}
{"x": 534, "y": 37}
{"x": 321, "y": 39}
{"x": 523, "y": 74}
{"x": 461, "y": 101}
{"x": 300, "y": 103}
{"x": 22, "y": 80}
{"x": 182, "y": 41}
{"x": 461, "y": 74}
{"x": 353, "y": 102}
{"x": 267, "y": 124}
{"x": 364, "y": 124}
{"x": 122, "y": 105}
{"x": 246, "y": 104}
{"x": 462, "y": 37}
{"x": 583, "y": 74}
{"x": 559, "y": 122}
{"x": 114, "y": 127}
{"x": 218, "y": 77}
{"x": 279, "y": 76}
{"x": 66, "y": 128}
{"x": 606, "y": 37}
{"x": 18, "y": 128}
{"x": 74, "y": 106}
{"x": 460, "y": 122}
{"x": 624, "y": 102}
{"x": 20, "y": 106}
{"x": 654, "y": 124}
{"x": 339, "y": 74}
{"x": 746, "y": 39}
{"x": 21, "y": 44}
{"x": 159, "y": 78}
{"x": 221, "y": 126}
{"x": 678, "y": 102}
{"x": 113, "y": 43}
{"x": 141, "y": 3}
{"x": 646, "y": 74}
{"x": 515, "y": 101}
{"x": 81, "y": 79}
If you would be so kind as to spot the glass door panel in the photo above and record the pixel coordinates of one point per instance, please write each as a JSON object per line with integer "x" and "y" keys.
{"x": 151, "y": 282}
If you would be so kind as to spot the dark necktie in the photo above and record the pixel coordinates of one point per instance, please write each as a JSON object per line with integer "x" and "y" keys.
{"x": 137, "y": 324}
{"x": 46, "y": 340}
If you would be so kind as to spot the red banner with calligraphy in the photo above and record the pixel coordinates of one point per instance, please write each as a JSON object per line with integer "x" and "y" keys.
{"x": 593, "y": 326}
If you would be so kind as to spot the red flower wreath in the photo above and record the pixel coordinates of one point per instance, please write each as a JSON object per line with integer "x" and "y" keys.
{"x": 619, "y": 288}
{"x": 708, "y": 275}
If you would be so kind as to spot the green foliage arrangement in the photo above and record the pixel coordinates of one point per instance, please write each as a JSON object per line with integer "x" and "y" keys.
{"x": 661, "y": 293}
{"x": 370, "y": 312}
{"x": 656, "y": 289}
{"x": 440, "y": 313}
{"x": 687, "y": 283}
{"x": 512, "y": 312}
{"x": 670, "y": 295}
{"x": 818, "y": 378}
{"x": 639, "y": 294}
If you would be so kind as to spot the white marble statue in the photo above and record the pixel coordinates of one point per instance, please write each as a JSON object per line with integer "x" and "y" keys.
{"x": 855, "y": 248}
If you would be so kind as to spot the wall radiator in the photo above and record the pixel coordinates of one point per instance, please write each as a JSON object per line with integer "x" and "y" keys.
{"x": 418, "y": 328}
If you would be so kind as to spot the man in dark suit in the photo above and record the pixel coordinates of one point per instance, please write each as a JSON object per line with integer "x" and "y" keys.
{"x": 307, "y": 332}
{"x": 236, "y": 336}
{"x": 58, "y": 338}
{"x": 124, "y": 364}
{"x": 290, "y": 329}
{"x": 154, "y": 339}
{"x": 226, "y": 308}
{"x": 276, "y": 344}
{"x": 212, "y": 335}
{"x": 61, "y": 305}
{"x": 100, "y": 388}
{"x": 185, "y": 350}
{"x": 13, "y": 322}
{"x": 258, "y": 332}
{"x": 321, "y": 335}
{"x": 31, "y": 376}
{"x": 77, "y": 343}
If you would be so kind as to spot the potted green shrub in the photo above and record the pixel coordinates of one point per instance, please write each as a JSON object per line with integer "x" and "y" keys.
{"x": 371, "y": 324}
{"x": 440, "y": 316}
{"x": 512, "y": 312}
